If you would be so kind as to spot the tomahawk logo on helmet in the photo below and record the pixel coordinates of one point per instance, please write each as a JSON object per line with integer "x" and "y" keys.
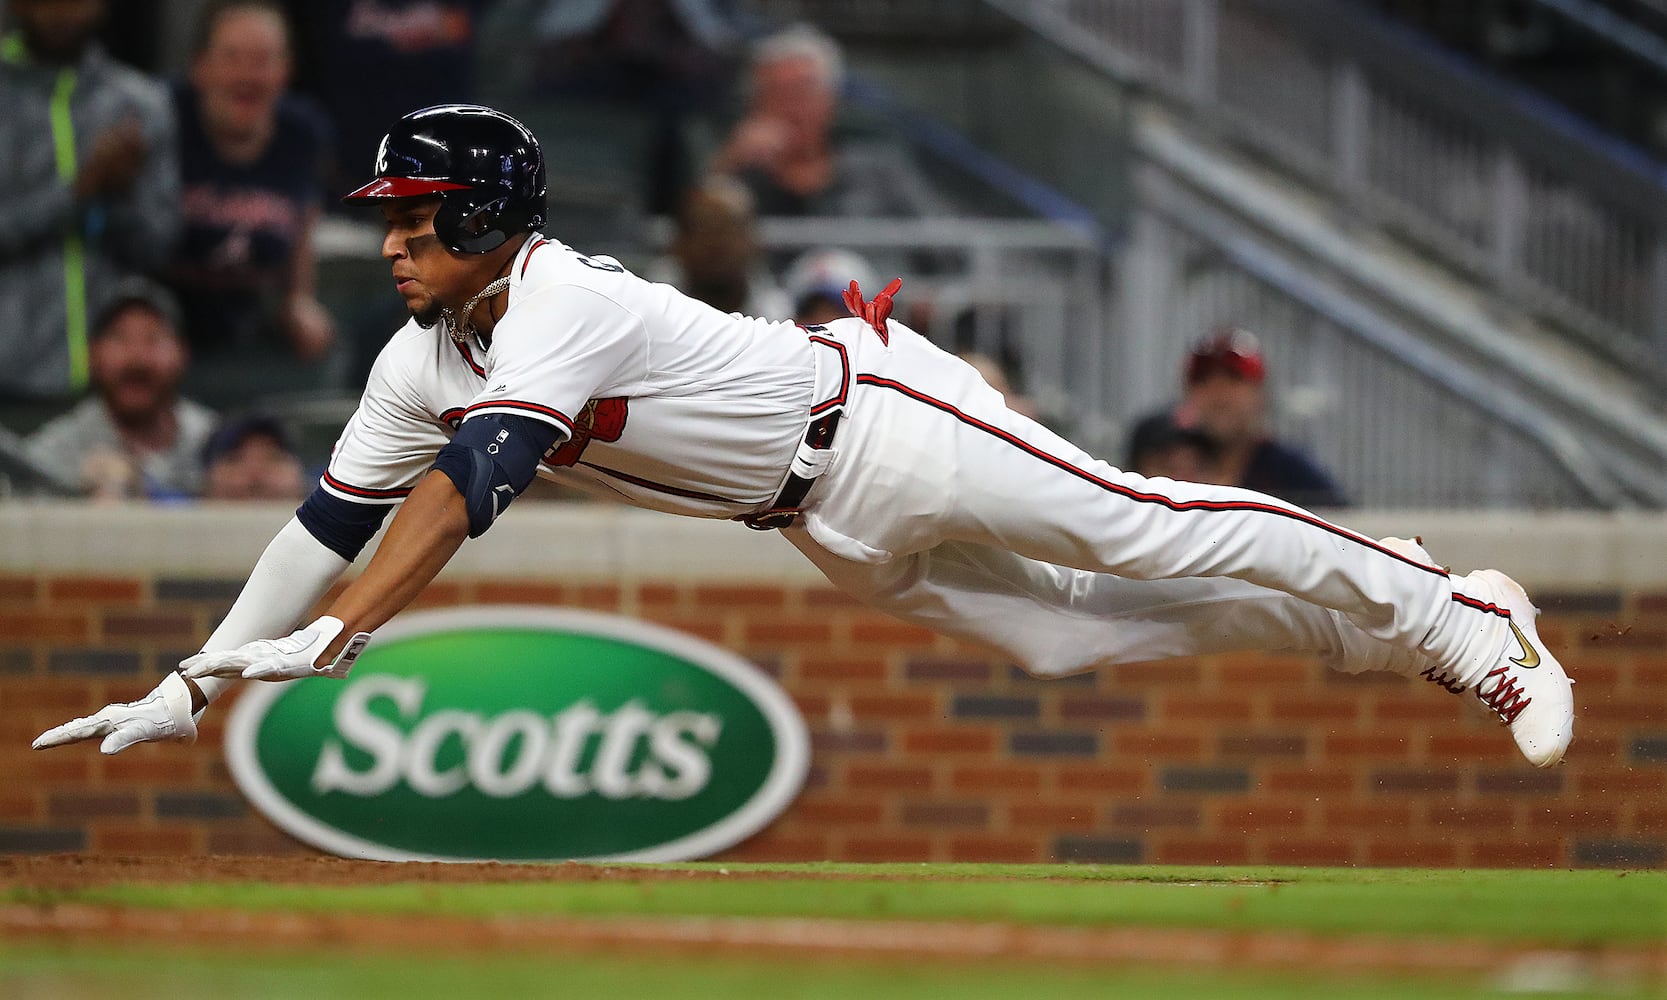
{"x": 485, "y": 167}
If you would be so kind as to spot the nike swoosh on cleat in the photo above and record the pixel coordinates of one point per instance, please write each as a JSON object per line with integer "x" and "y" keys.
{"x": 1530, "y": 656}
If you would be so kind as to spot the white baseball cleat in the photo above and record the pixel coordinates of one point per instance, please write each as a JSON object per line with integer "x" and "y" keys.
{"x": 1525, "y": 686}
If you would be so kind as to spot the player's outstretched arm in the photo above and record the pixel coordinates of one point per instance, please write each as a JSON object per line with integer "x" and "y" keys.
{"x": 293, "y": 573}
{"x": 427, "y": 531}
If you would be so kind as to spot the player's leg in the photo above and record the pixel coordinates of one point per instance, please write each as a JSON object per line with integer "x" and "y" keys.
{"x": 938, "y": 453}
{"x": 1054, "y": 620}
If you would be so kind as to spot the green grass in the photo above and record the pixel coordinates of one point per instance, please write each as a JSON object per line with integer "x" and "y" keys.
{"x": 57, "y": 972}
{"x": 1567, "y": 908}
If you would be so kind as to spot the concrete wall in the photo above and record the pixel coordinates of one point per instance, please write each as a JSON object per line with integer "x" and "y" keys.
{"x": 923, "y": 748}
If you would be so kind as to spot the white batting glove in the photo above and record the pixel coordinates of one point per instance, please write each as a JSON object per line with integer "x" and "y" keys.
{"x": 164, "y": 714}
{"x": 281, "y": 659}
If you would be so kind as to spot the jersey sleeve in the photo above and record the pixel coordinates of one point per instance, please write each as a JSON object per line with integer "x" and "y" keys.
{"x": 389, "y": 442}
{"x": 557, "y": 349}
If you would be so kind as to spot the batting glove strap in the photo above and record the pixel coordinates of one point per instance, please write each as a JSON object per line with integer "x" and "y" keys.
{"x": 281, "y": 659}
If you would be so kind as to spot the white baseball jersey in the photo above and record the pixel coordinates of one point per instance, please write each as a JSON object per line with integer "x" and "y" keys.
{"x": 935, "y": 502}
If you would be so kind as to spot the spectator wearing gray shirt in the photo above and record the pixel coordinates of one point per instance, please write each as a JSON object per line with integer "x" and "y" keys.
{"x": 89, "y": 189}
{"x": 134, "y": 438}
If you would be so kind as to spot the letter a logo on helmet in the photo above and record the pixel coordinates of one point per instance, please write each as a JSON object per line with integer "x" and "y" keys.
{"x": 485, "y": 167}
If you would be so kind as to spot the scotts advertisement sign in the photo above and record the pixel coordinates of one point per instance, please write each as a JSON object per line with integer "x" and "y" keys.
{"x": 522, "y": 734}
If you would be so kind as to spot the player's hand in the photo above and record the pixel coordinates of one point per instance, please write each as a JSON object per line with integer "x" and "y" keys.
{"x": 164, "y": 714}
{"x": 283, "y": 659}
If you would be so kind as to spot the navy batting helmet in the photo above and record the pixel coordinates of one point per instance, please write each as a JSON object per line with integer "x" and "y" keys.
{"x": 485, "y": 167}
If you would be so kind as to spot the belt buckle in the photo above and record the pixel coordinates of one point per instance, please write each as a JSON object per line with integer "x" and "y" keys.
{"x": 771, "y": 520}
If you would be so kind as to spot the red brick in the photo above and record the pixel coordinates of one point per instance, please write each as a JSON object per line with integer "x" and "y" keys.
{"x": 1403, "y": 853}
{"x": 1621, "y": 781}
{"x": 864, "y": 848}
{"x": 144, "y": 765}
{"x": 1316, "y": 780}
{"x": 1147, "y": 815}
{"x": 166, "y": 625}
{"x": 1282, "y": 851}
{"x": 53, "y": 696}
{"x": 658, "y": 594}
{"x": 772, "y": 845}
{"x": 1599, "y": 675}
{"x": 981, "y": 740}
{"x": 1347, "y": 816}
{"x": 1374, "y": 746}
{"x": 259, "y": 839}
{"x": 440, "y": 594}
{"x": 1260, "y": 817}
{"x": 813, "y": 667}
{"x": 17, "y": 589}
{"x": 1186, "y": 851}
{"x": 739, "y": 596}
{"x": 994, "y": 849}
{"x": 1483, "y": 818}
{"x": 888, "y": 777}
{"x": 1195, "y": 709}
{"x": 44, "y": 626}
{"x": 1315, "y": 708}
{"x": 1034, "y": 816}
{"x": 98, "y": 590}
{"x": 1097, "y": 780}
{"x": 710, "y": 629}
{"x": 1650, "y": 820}
{"x": 945, "y": 815}
{"x": 837, "y": 812}
{"x": 15, "y": 807}
{"x": 996, "y": 778}
{"x": 598, "y": 596}
{"x": 1266, "y": 675}
{"x": 1185, "y": 672}
{"x": 1495, "y": 744}
{"x": 828, "y": 599}
{"x": 1159, "y": 743}
{"x": 895, "y": 706}
{"x": 892, "y": 634}
{"x": 1631, "y": 713}
{"x": 1416, "y": 708}
{"x": 128, "y": 839}
{"x": 770, "y": 633}
{"x": 74, "y": 806}
{"x": 1516, "y": 854}
{"x": 1573, "y": 819}
{"x": 61, "y": 768}
{"x": 519, "y": 592}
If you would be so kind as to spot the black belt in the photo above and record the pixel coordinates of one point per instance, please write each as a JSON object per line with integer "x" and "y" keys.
{"x": 789, "y": 502}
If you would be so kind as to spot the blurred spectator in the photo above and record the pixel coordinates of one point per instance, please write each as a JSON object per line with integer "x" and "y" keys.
{"x": 788, "y": 151}
{"x": 1226, "y": 399}
{"x": 251, "y": 457}
{"x": 653, "y": 68}
{"x": 370, "y": 61}
{"x": 714, "y": 253}
{"x": 817, "y": 280}
{"x": 996, "y": 374}
{"x": 1159, "y": 447}
{"x": 89, "y": 189}
{"x": 134, "y": 437}
{"x": 252, "y": 159}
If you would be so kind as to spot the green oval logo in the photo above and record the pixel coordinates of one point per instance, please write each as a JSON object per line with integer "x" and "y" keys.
{"x": 523, "y": 734}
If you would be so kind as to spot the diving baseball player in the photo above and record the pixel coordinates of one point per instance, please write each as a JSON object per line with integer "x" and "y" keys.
{"x": 886, "y": 461}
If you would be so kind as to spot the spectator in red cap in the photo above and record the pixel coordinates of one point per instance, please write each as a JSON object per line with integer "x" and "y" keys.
{"x": 1225, "y": 381}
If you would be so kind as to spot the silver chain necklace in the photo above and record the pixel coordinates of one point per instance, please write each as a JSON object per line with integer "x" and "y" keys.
{"x": 460, "y": 331}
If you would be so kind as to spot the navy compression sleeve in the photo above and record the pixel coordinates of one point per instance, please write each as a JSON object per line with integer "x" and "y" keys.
{"x": 342, "y": 526}
{"x": 492, "y": 460}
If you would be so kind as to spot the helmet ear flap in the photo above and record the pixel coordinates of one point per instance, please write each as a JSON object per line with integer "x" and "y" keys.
{"x": 469, "y": 226}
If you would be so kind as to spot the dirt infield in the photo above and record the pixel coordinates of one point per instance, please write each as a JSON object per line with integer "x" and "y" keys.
{"x": 877, "y": 938}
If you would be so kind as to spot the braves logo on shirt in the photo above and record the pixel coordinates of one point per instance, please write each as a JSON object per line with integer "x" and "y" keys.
{"x": 601, "y": 419}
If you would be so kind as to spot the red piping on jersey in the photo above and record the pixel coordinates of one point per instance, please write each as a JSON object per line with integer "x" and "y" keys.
{"x": 844, "y": 376}
{"x": 1480, "y": 605}
{"x": 455, "y": 413}
{"x": 659, "y": 487}
{"x": 529, "y": 257}
{"x": 363, "y": 491}
{"x": 468, "y": 357}
{"x": 516, "y": 404}
{"x": 1154, "y": 498}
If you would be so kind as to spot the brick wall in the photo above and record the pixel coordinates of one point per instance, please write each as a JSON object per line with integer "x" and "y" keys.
{"x": 924, "y": 749}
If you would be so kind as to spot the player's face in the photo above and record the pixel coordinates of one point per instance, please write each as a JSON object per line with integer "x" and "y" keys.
{"x": 243, "y": 70}
{"x": 136, "y": 363}
{"x": 427, "y": 275}
{"x": 58, "y": 29}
